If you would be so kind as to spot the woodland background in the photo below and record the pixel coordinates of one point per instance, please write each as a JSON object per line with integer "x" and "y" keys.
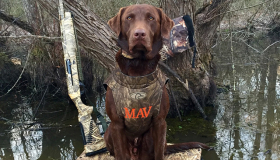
{"x": 31, "y": 54}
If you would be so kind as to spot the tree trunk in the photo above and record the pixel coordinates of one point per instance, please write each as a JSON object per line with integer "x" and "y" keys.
{"x": 95, "y": 36}
{"x": 33, "y": 15}
{"x": 206, "y": 20}
{"x": 178, "y": 8}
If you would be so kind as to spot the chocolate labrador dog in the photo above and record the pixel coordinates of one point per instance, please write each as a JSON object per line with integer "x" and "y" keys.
{"x": 136, "y": 99}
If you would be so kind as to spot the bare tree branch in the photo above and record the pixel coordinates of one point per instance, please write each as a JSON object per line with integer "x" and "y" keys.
{"x": 193, "y": 98}
{"x": 19, "y": 75}
{"x": 23, "y": 25}
{"x": 269, "y": 46}
{"x": 33, "y": 36}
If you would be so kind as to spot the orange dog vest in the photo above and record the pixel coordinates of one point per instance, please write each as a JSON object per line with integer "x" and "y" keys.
{"x": 137, "y": 99}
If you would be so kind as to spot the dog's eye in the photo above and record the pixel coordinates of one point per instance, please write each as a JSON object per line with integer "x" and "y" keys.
{"x": 129, "y": 18}
{"x": 151, "y": 18}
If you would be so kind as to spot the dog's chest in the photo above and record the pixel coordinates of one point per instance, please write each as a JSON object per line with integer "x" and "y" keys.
{"x": 137, "y": 99}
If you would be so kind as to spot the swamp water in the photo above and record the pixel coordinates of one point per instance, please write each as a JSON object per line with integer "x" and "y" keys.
{"x": 245, "y": 121}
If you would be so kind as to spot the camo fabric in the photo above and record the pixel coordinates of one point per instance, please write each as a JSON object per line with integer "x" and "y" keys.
{"x": 137, "y": 99}
{"x": 92, "y": 139}
{"x": 178, "y": 41}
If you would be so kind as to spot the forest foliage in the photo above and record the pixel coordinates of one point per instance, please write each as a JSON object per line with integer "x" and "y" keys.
{"x": 45, "y": 70}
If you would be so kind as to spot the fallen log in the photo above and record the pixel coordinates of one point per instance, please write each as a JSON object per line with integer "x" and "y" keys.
{"x": 192, "y": 154}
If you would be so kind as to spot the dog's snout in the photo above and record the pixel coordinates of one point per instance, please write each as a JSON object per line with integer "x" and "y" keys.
{"x": 139, "y": 33}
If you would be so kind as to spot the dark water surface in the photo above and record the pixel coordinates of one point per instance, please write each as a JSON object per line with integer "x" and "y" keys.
{"x": 248, "y": 113}
{"x": 51, "y": 133}
{"x": 245, "y": 122}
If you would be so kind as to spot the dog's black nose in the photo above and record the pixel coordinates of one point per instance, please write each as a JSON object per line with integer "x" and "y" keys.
{"x": 139, "y": 33}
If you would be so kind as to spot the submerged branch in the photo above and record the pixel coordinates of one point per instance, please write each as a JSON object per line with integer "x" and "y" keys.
{"x": 193, "y": 98}
{"x": 175, "y": 102}
{"x": 5, "y": 119}
{"x": 40, "y": 102}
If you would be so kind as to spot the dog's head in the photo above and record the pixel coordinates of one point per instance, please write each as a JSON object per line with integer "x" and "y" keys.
{"x": 140, "y": 29}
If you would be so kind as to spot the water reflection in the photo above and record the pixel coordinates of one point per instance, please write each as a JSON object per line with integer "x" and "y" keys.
{"x": 26, "y": 139}
{"x": 53, "y": 134}
{"x": 248, "y": 114}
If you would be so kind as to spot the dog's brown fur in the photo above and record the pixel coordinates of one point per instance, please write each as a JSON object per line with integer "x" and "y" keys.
{"x": 140, "y": 29}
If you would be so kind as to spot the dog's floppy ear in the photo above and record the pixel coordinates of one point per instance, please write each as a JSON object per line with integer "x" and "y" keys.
{"x": 115, "y": 22}
{"x": 166, "y": 24}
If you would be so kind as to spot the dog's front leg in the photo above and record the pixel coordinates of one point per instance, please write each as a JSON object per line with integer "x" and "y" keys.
{"x": 116, "y": 142}
{"x": 159, "y": 127}
{"x": 159, "y": 138}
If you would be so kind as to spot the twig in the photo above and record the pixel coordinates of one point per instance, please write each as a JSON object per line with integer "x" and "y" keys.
{"x": 269, "y": 46}
{"x": 19, "y": 75}
{"x": 254, "y": 15}
{"x": 56, "y": 92}
{"x": 193, "y": 98}
{"x": 176, "y": 5}
{"x": 250, "y": 46}
{"x": 40, "y": 103}
{"x": 54, "y": 111}
{"x": 248, "y": 7}
{"x": 202, "y": 8}
{"x": 5, "y": 119}
{"x": 207, "y": 20}
{"x": 176, "y": 105}
{"x": 231, "y": 50}
{"x": 33, "y": 36}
